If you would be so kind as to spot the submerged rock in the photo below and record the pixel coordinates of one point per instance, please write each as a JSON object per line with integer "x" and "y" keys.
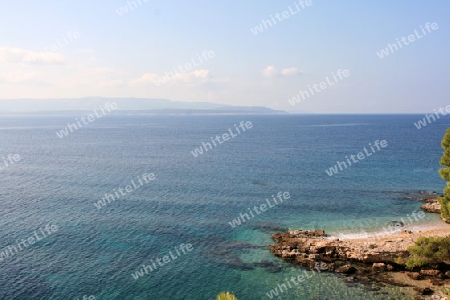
{"x": 347, "y": 270}
{"x": 396, "y": 224}
{"x": 420, "y": 196}
{"x": 414, "y": 275}
{"x": 424, "y": 291}
{"x": 269, "y": 266}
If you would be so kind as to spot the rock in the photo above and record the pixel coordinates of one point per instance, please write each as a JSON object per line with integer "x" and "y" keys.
{"x": 313, "y": 251}
{"x": 431, "y": 200}
{"x": 447, "y": 274}
{"x": 378, "y": 266}
{"x": 421, "y": 196}
{"x": 430, "y": 272}
{"x": 436, "y": 281}
{"x": 347, "y": 270}
{"x": 396, "y": 224}
{"x": 269, "y": 266}
{"x": 350, "y": 279}
{"x": 267, "y": 227}
{"x": 432, "y": 206}
{"x": 305, "y": 233}
{"x": 239, "y": 265}
{"x": 322, "y": 266}
{"x": 428, "y": 192}
{"x": 306, "y": 248}
{"x": 319, "y": 233}
{"x": 425, "y": 291}
{"x": 414, "y": 275}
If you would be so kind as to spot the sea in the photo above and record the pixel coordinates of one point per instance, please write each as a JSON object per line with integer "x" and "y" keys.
{"x": 92, "y": 252}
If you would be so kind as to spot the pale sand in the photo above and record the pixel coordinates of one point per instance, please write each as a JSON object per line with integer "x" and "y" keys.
{"x": 398, "y": 241}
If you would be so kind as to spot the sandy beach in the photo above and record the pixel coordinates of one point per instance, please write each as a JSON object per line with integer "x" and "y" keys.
{"x": 368, "y": 257}
{"x": 397, "y": 241}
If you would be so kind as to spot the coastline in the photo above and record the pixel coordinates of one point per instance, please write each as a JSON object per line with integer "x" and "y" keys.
{"x": 368, "y": 257}
{"x": 429, "y": 225}
{"x": 400, "y": 240}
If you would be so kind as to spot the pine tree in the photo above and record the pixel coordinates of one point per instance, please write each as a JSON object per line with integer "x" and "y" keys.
{"x": 445, "y": 174}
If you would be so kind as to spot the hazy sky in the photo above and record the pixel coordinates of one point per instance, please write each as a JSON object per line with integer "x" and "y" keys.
{"x": 122, "y": 54}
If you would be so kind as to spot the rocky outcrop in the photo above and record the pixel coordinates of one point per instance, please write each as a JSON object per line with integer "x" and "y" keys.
{"x": 429, "y": 197}
{"x": 419, "y": 196}
{"x": 357, "y": 259}
{"x": 432, "y": 206}
{"x": 312, "y": 248}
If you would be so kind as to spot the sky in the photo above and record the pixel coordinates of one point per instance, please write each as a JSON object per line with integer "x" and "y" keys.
{"x": 118, "y": 48}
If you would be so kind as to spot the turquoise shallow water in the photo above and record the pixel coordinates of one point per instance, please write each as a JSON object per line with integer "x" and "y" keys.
{"x": 94, "y": 252}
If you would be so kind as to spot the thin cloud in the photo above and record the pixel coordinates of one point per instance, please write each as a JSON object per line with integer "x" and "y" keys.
{"x": 291, "y": 72}
{"x": 19, "y": 76}
{"x": 25, "y": 57}
{"x": 271, "y": 72}
{"x": 201, "y": 75}
{"x": 86, "y": 51}
{"x": 147, "y": 78}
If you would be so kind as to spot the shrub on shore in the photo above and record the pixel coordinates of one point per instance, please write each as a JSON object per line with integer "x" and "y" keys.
{"x": 226, "y": 296}
{"x": 429, "y": 251}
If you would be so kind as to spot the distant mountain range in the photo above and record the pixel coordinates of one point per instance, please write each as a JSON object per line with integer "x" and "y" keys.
{"x": 125, "y": 106}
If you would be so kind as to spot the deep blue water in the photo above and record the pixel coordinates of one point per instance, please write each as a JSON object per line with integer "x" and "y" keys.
{"x": 94, "y": 252}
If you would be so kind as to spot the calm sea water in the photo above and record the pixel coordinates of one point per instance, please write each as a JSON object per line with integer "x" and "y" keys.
{"x": 94, "y": 252}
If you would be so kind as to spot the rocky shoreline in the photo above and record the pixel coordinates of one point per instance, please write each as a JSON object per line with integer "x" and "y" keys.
{"x": 430, "y": 198}
{"x": 361, "y": 260}
{"x": 376, "y": 260}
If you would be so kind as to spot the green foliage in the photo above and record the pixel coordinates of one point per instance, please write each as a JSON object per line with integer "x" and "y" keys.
{"x": 428, "y": 251}
{"x": 445, "y": 208}
{"x": 226, "y": 296}
{"x": 446, "y": 290}
{"x": 445, "y": 174}
{"x": 415, "y": 261}
{"x": 399, "y": 260}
